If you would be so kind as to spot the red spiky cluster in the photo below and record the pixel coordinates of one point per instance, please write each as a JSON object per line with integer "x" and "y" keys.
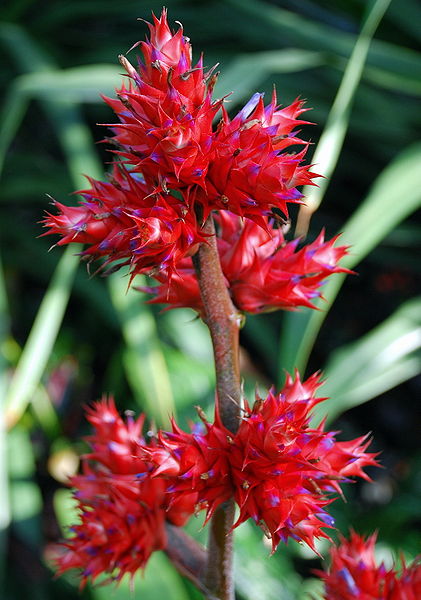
{"x": 121, "y": 221}
{"x": 355, "y": 575}
{"x": 278, "y": 468}
{"x": 122, "y": 509}
{"x": 263, "y": 272}
{"x": 174, "y": 163}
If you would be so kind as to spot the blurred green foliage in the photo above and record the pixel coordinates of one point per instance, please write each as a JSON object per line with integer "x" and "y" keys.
{"x": 66, "y": 338}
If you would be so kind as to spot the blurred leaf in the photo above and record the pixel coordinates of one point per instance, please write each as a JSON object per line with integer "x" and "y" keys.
{"x": 41, "y": 339}
{"x": 247, "y": 71}
{"x": 4, "y": 481}
{"x": 331, "y": 141}
{"x": 380, "y": 360}
{"x": 160, "y": 580}
{"x": 65, "y": 508}
{"x": 79, "y": 84}
{"x": 257, "y": 574}
{"x": 395, "y": 194}
{"x": 144, "y": 361}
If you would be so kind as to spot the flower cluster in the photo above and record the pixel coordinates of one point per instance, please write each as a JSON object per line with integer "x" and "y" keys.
{"x": 174, "y": 164}
{"x": 278, "y": 468}
{"x": 122, "y": 509}
{"x": 280, "y": 471}
{"x": 122, "y": 221}
{"x": 354, "y": 574}
{"x": 262, "y": 271}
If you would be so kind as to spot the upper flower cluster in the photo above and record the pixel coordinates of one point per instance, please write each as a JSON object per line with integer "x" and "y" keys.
{"x": 355, "y": 575}
{"x": 174, "y": 163}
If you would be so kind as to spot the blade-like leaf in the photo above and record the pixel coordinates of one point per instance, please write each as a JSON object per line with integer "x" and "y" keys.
{"x": 79, "y": 84}
{"x": 247, "y": 71}
{"x": 395, "y": 194}
{"x": 380, "y": 360}
{"x": 144, "y": 361}
{"x": 331, "y": 141}
{"x": 41, "y": 339}
{"x": 4, "y": 482}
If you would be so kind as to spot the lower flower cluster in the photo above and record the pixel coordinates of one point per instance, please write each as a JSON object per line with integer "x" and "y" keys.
{"x": 355, "y": 575}
{"x": 280, "y": 470}
{"x": 122, "y": 509}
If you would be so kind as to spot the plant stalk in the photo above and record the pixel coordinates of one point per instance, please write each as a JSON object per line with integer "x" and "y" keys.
{"x": 223, "y": 321}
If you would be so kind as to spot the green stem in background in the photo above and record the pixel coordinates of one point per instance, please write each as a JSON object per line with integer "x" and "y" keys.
{"x": 4, "y": 483}
{"x": 331, "y": 141}
{"x": 223, "y": 321}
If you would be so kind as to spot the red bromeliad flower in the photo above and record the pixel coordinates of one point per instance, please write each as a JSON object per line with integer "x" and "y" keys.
{"x": 122, "y": 221}
{"x": 122, "y": 508}
{"x": 196, "y": 463}
{"x": 250, "y": 173}
{"x": 278, "y": 468}
{"x": 355, "y": 575}
{"x": 283, "y": 468}
{"x": 165, "y": 129}
{"x": 262, "y": 270}
{"x": 178, "y": 164}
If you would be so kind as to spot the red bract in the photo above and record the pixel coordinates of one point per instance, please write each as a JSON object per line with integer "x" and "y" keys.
{"x": 121, "y": 221}
{"x": 283, "y": 468}
{"x": 280, "y": 471}
{"x": 262, "y": 270}
{"x": 166, "y": 114}
{"x": 166, "y": 139}
{"x": 355, "y": 575}
{"x": 250, "y": 173}
{"x": 196, "y": 463}
{"x": 122, "y": 508}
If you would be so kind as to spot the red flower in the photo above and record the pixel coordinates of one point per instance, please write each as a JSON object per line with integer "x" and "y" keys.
{"x": 354, "y": 574}
{"x": 250, "y": 173}
{"x": 283, "y": 468}
{"x": 176, "y": 162}
{"x": 166, "y": 115}
{"x": 121, "y": 221}
{"x": 197, "y": 464}
{"x": 262, "y": 270}
{"x": 280, "y": 471}
{"x": 122, "y": 508}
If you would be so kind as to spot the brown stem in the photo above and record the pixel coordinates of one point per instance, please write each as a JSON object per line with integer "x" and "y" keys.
{"x": 187, "y": 555}
{"x": 223, "y": 321}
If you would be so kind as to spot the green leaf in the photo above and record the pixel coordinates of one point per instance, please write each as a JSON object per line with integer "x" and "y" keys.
{"x": 247, "y": 71}
{"x": 331, "y": 141}
{"x": 380, "y": 360}
{"x": 41, "y": 339}
{"x": 4, "y": 480}
{"x": 79, "y": 84}
{"x": 144, "y": 361}
{"x": 395, "y": 194}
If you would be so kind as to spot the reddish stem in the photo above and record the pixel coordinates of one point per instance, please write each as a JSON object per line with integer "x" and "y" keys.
{"x": 223, "y": 321}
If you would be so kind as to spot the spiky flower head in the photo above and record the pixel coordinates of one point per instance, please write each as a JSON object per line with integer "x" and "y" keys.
{"x": 166, "y": 112}
{"x": 123, "y": 223}
{"x": 354, "y": 573}
{"x": 122, "y": 508}
{"x": 250, "y": 173}
{"x": 177, "y": 164}
{"x": 281, "y": 471}
{"x": 196, "y": 463}
{"x": 285, "y": 470}
{"x": 263, "y": 271}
